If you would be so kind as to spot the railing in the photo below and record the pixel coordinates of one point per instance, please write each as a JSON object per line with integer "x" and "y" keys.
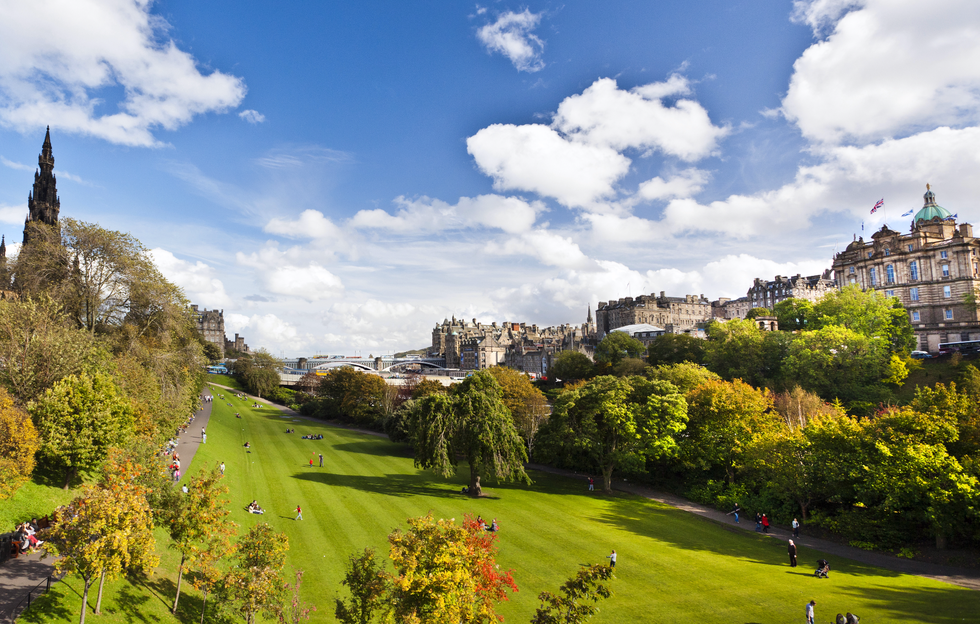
{"x": 25, "y": 602}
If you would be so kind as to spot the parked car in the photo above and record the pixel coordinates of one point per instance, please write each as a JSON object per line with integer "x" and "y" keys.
{"x": 920, "y": 355}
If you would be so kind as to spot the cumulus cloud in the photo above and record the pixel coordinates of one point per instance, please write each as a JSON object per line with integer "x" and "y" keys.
{"x": 577, "y": 160}
{"x": 549, "y": 248}
{"x": 607, "y": 116}
{"x": 261, "y": 330}
{"x": 292, "y": 273}
{"x": 512, "y": 36}
{"x": 59, "y": 56}
{"x": 888, "y": 68}
{"x": 197, "y": 279}
{"x": 685, "y": 184}
{"x": 252, "y": 116}
{"x": 424, "y": 214}
{"x": 310, "y": 224}
{"x": 538, "y": 159}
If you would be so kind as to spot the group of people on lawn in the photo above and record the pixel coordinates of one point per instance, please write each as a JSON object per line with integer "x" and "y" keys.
{"x": 25, "y": 536}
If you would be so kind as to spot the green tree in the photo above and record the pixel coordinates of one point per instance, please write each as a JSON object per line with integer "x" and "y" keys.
{"x": 755, "y": 313}
{"x": 473, "y": 424}
{"x": 674, "y": 349}
{"x": 199, "y": 522}
{"x": 723, "y": 418}
{"x": 834, "y": 361}
{"x": 686, "y": 376}
{"x": 79, "y": 420}
{"x": 617, "y": 345}
{"x": 258, "y": 372}
{"x": 211, "y": 351}
{"x": 350, "y": 394}
{"x": 793, "y": 314}
{"x": 528, "y": 405}
{"x": 578, "y": 598}
{"x": 869, "y": 313}
{"x": 255, "y": 585}
{"x": 18, "y": 444}
{"x": 778, "y": 459}
{"x": 572, "y": 365}
{"x": 39, "y": 346}
{"x": 369, "y": 588}
{"x": 736, "y": 350}
{"x": 599, "y": 422}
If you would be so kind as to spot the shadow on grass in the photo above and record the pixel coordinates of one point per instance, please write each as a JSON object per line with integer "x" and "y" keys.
{"x": 130, "y": 603}
{"x": 928, "y": 605}
{"x": 375, "y": 447}
{"x": 390, "y": 485}
{"x": 689, "y": 532}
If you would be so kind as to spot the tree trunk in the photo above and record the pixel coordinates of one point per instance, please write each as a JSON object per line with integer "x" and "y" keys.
{"x": 180, "y": 574}
{"x": 98, "y": 602}
{"x": 68, "y": 477}
{"x": 607, "y": 478}
{"x": 84, "y": 600}
{"x": 204, "y": 603}
{"x": 475, "y": 488}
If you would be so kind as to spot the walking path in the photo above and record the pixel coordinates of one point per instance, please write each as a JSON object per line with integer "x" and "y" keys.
{"x": 20, "y": 576}
{"x": 947, "y": 574}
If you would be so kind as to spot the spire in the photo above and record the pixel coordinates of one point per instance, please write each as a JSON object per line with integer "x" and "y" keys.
{"x": 43, "y": 203}
{"x": 589, "y": 319}
{"x": 3, "y": 247}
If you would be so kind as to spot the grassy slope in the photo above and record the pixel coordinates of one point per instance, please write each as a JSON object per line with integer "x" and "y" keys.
{"x": 672, "y": 566}
{"x": 37, "y": 498}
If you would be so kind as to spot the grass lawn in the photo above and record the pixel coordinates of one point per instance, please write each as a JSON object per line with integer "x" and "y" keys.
{"x": 673, "y": 567}
{"x": 37, "y": 498}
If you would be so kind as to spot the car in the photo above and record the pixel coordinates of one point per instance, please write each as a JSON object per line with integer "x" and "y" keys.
{"x": 921, "y": 355}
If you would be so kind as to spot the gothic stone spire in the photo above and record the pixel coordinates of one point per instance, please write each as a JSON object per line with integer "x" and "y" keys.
{"x": 43, "y": 202}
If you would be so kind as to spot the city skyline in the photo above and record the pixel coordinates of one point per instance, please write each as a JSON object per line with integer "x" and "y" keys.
{"x": 339, "y": 178}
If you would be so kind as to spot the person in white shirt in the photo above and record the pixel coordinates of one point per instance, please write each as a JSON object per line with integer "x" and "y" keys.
{"x": 809, "y": 611}
{"x": 612, "y": 559}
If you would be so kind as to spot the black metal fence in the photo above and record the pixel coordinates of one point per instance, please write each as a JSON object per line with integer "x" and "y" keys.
{"x": 41, "y": 588}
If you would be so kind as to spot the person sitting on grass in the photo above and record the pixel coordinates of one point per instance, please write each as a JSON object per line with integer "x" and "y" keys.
{"x": 254, "y": 508}
{"x": 465, "y": 490}
{"x": 493, "y": 528}
{"x": 247, "y": 445}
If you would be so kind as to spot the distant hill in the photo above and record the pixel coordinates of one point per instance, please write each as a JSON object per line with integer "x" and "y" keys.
{"x": 421, "y": 351}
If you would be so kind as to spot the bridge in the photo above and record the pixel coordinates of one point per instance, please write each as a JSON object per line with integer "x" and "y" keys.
{"x": 296, "y": 368}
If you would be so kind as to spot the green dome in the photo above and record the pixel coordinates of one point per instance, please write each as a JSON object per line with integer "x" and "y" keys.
{"x": 931, "y": 209}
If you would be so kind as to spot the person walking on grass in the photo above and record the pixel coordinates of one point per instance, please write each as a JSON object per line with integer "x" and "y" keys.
{"x": 735, "y": 511}
{"x": 321, "y": 460}
{"x": 792, "y": 554}
{"x": 591, "y": 484}
{"x": 299, "y": 513}
{"x": 311, "y": 462}
{"x": 765, "y": 523}
{"x": 612, "y": 559}
{"x": 222, "y": 467}
{"x": 809, "y": 611}
{"x": 796, "y": 528}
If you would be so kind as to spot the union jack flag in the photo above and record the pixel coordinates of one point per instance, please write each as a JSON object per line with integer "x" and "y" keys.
{"x": 881, "y": 202}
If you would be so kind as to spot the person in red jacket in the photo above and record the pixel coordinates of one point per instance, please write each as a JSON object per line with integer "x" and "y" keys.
{"x": 765, "y": 523}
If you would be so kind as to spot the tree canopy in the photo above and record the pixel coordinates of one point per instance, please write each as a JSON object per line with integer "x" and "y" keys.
{"x": 617, "y": 345}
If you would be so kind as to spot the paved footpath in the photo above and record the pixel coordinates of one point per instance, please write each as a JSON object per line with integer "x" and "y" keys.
{"x": 25, "y": 573}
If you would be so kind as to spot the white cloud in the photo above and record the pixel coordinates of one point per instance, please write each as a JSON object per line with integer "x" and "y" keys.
{"x": 265, "y": 330}
{"x": 15, "y": 165}
{"x": 548, "y": 247}
{"x": 424, "y": 214}
{"x": 606, "y": 116}
{"x": 196, "y": 279}
{"x": 685, "y": 184}
{"x": 310, "y": 224}
{"x": 512, "y": 36}
{"x": 13, "y": 214}
{"x": 59, "y": 56}
{"x": 889, "y": 68}
{"x": 536, "y": 158}
{"x": 252, "y": 116}
{"x": 292, "y": 273}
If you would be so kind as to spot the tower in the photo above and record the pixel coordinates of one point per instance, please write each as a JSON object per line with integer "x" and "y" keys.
{"x": 43, "y": 203}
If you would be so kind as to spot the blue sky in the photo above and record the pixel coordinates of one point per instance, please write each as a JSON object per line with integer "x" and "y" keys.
{"x": 338, "y": 177}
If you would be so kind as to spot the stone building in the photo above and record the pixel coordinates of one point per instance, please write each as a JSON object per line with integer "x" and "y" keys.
{"x": 475, "y": 346}
{"x": 211, "y": 325}
{"x": 675, "y": 314}
{"x": 238, "y": 344}
{"x": 933, "y": 270}
{"x": 766, "y": 294}
{"x": 725, "y": 309}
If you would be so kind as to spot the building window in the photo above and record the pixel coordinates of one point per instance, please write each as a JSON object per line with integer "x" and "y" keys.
{"x": 914, "y": 294}
{"x": 942, "y": 254}
{"x": 945, "y": 270}
{"x": 889, "y": 293}
{"x": 890, "y": 273}
{"x": 853, "y": 281}
{"x": 946, "y": 292}
{"x": 852, "y": 269}
{"x": 873, "y": 275}
{"x": 915, "y": 315}
{"x": 949, "y": 314}
{"x": 887, "y": 251}
{"x": 870, "y": 253}
{"x": 914, "y": 270}
{"x": 910, "y": 247}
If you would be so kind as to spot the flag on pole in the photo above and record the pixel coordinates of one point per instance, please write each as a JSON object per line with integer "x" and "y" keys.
{"x": 862, "y": 226}
{"x": 881, "y": 202}
{"x": 908, "y": 213}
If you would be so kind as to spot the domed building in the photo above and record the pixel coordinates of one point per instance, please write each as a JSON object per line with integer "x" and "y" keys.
{"x": 931, "y": 269}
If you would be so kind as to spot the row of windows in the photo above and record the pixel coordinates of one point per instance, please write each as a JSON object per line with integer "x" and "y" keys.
{"x": 942, "y": 254}
{"x": 890, "y": 273}
{"x": 947, "y": 315}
